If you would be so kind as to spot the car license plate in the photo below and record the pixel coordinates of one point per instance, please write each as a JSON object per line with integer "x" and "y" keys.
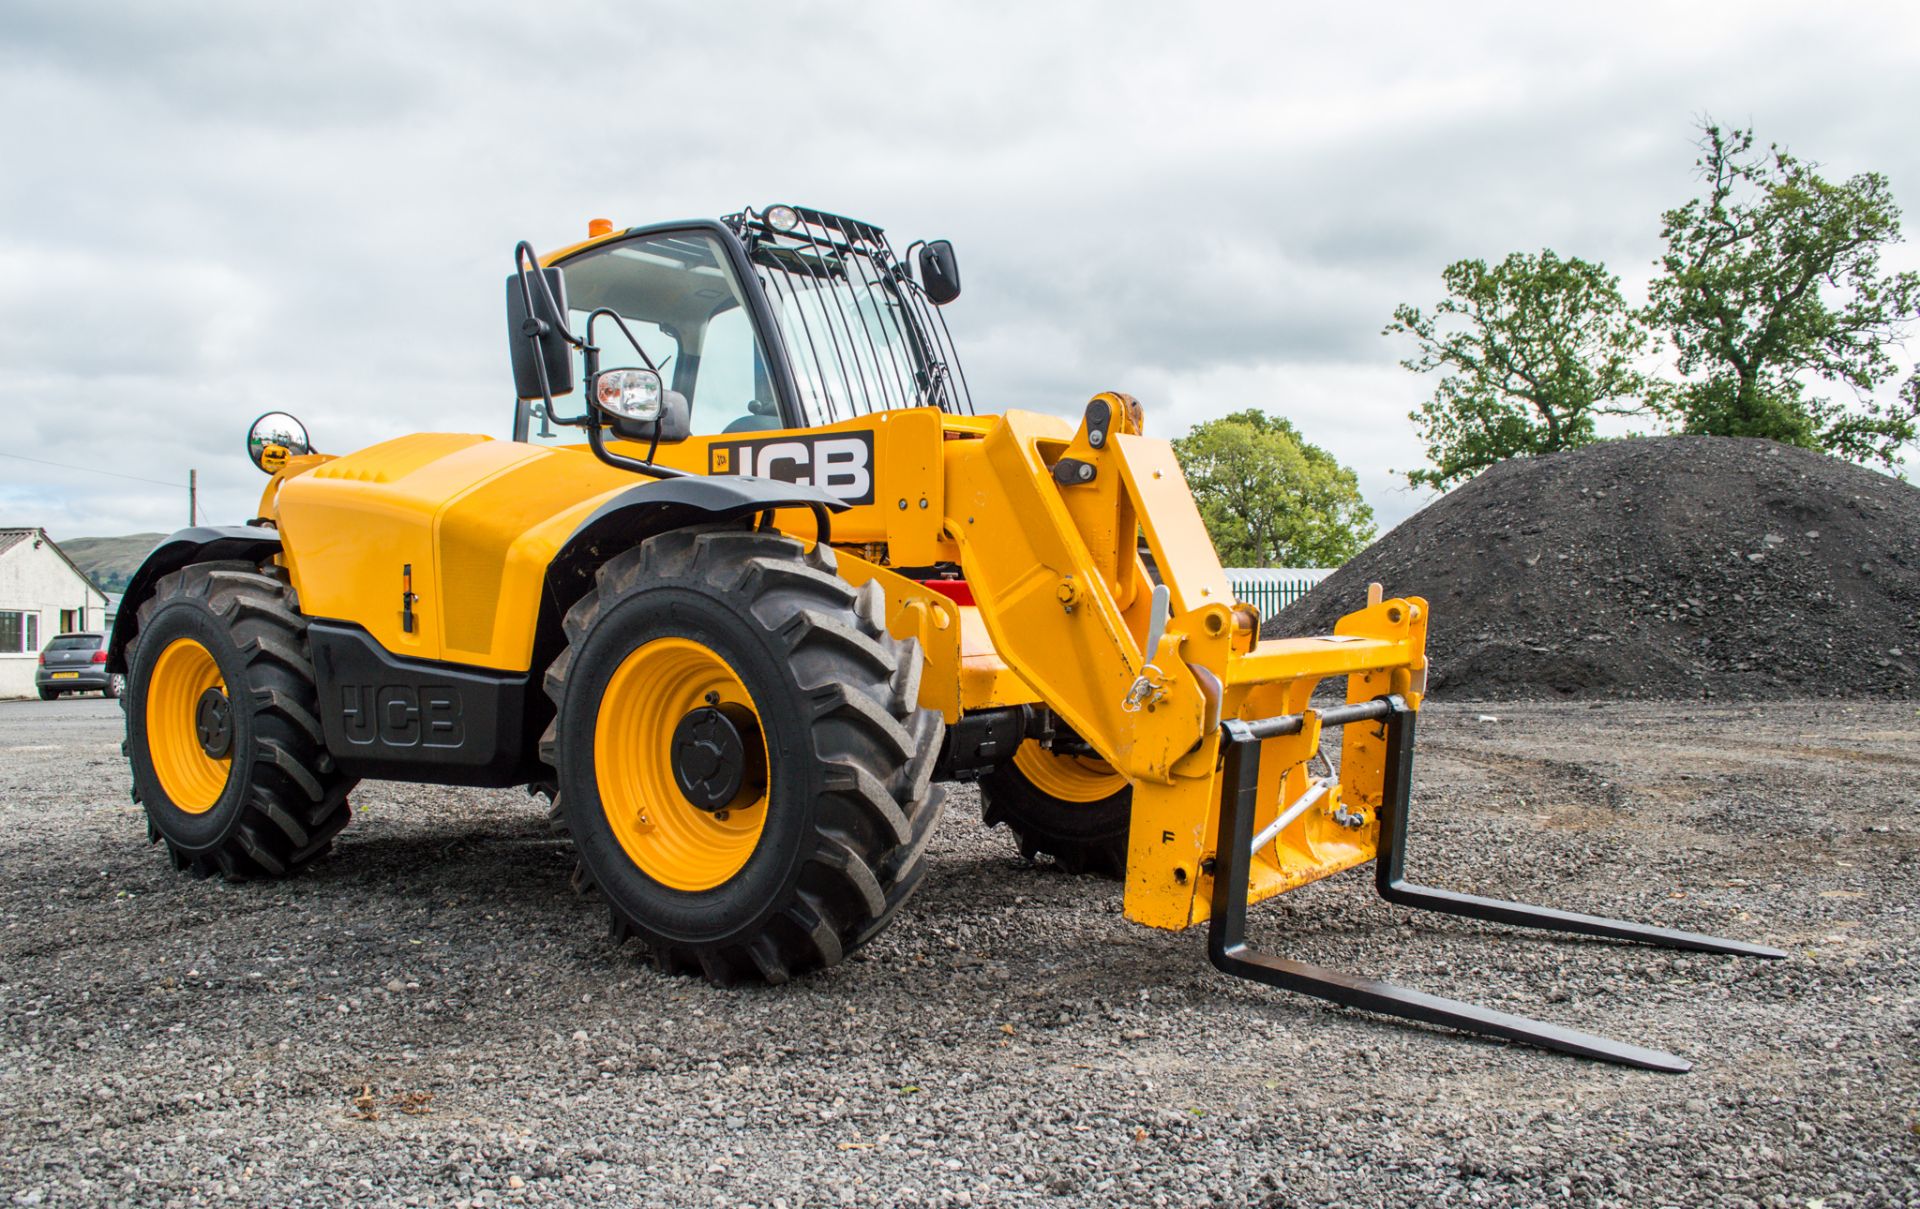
{"x": 66, "y": 675}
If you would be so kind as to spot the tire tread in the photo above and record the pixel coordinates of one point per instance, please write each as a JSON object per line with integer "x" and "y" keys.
{"x": 878, "y": 807}
{"x": 295, "y": 800}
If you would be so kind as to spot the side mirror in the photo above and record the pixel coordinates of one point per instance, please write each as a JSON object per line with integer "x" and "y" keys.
{"x": 274, "y": 438}
{"x": 939, "y": 272}
{"x": 529, "y": 345}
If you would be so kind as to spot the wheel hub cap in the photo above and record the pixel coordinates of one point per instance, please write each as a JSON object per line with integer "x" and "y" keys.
{"x": 213, "y": 723}
{"x": 709, "y": 758}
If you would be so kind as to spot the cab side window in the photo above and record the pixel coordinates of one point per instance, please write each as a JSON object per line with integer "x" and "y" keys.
{"x": 678, "y": 297}
{"x": 732, "y": 381}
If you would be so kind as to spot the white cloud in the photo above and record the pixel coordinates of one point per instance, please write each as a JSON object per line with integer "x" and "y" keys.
{"x": 212, "y": 209}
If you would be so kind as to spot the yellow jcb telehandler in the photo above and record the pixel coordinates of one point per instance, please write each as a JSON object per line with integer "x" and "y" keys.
{"x": 743, "y": 608}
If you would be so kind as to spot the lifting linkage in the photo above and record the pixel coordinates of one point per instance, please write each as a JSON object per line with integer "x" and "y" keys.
{"x": 1226, "y": 937}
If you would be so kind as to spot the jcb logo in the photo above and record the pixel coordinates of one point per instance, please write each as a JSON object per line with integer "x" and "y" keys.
{"x": 841, "y": 465}
{"x": 401, "y": 715}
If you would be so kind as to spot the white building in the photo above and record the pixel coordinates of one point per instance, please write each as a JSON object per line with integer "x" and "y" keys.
{"x": 41, "y": 594}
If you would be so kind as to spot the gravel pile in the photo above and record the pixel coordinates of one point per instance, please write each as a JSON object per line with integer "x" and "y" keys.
{"x": 430, "y": 1017}
{"x": 1676, "y": 567}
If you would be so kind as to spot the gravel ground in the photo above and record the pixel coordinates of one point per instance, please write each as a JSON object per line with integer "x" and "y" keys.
{"x": 430, "y": 1017}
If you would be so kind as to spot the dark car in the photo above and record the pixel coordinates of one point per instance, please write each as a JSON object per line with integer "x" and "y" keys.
{"x": 76, "y": 663}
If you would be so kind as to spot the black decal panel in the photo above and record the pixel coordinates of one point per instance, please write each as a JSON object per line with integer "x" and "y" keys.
{"x": 840, "y": 464}
{"x": 416, "y": 719}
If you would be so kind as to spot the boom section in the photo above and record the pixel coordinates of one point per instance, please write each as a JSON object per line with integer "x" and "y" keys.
{"x": 1048, "y": 522}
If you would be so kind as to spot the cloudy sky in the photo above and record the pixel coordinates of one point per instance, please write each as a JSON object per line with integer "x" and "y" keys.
{"x": 210, "y": 210}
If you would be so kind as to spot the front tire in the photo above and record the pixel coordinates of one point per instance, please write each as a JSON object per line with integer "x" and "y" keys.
{"x": 222, "y": 728}
{"x": 1075, "y": 809}
{"x": 781, "y": 848}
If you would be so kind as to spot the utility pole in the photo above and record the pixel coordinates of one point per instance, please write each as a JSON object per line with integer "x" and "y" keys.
{"x": 193, "y": 498}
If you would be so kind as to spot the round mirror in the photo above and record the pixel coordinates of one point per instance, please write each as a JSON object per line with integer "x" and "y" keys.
{"x": 274, "y": 438}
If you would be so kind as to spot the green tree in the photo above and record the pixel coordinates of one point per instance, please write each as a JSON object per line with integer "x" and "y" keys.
{"x": 1269, "y": 497}
{"x": 1530, "y": 351}
{"x": 1773, "y": 277}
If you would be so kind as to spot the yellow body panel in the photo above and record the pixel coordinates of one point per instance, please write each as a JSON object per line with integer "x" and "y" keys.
{"x": 908, "y": 513}
{"x": 986, "y": 682}
{"x": 931, "y": 619}
{"x": 477, "y": 520}
{"x": 1189, "y": 566}
{"x": 1061, "y": 613}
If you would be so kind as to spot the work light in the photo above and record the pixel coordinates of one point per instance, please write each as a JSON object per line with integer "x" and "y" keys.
{"x": 631, "y": 394}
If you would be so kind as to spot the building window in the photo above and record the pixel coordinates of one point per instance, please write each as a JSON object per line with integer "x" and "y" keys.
{"x": 70, "y": 621}
{"x": 19, "y": 632}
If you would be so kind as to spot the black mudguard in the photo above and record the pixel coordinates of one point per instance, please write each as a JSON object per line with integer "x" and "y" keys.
{"x": 649, "y": 508}
{"x": 657, "y": 507}
{"x": 203, "y": 543}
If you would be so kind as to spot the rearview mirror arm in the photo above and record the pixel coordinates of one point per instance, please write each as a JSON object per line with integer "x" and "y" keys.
{"x": 598, "y": 441}
{"x": 624, "y": 331}
{"x": 591, "y": 353}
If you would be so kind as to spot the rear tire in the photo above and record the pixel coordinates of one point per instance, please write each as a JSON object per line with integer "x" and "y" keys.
{"x": 116, "y": 683}
{"x": 47, "y": 694}
{"x": 793, "y": 875}
{"x": 222, "y": 728}
{"x": 1061, "y": 806}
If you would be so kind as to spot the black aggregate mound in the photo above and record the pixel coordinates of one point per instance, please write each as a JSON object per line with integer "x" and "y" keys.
{"x": 1656, "y": 567}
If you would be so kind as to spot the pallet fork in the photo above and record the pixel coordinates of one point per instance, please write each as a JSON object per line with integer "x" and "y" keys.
{"x": 1227, "y": 944}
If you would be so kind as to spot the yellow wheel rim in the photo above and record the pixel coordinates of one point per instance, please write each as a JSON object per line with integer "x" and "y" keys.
{"x": 672, "y": 841}
{"x": 193, "y": 780}
{"x": 1067, "y": 778}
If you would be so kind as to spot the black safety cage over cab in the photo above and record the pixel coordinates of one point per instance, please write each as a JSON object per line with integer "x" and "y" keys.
{"x": 859, "y": 331}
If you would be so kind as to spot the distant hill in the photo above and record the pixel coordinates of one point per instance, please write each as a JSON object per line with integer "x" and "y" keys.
{"x": 111, "y": 561}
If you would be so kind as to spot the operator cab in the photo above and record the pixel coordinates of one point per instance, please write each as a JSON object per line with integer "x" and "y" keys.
{"x": 787, "y": 318}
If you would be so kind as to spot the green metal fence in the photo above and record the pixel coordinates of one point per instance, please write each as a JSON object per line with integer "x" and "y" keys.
{"x": 1271, "y": 589}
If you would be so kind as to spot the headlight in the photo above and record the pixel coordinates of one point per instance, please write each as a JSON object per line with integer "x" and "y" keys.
{"x": 782, "y": 218}
{"x": 631, "y": 394}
